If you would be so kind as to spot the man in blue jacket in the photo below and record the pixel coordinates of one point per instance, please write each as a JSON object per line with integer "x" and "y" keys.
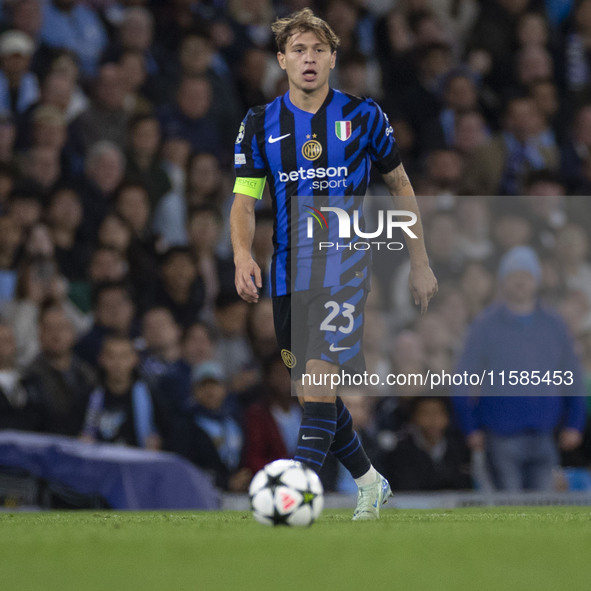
{"x": 533, "y": 386}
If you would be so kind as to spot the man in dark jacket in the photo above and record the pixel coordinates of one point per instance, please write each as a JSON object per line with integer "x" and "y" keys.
{"x": 58, "y": 382}
{"x": 427, "y": 455}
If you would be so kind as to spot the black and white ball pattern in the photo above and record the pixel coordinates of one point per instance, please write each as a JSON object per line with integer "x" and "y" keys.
{"x": 286, "y": 492}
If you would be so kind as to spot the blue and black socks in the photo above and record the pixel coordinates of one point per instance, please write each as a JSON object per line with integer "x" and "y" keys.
{"x": 346, "y": 446}
{"x": 325, "y": 427}
{"x": 316, "y": 433}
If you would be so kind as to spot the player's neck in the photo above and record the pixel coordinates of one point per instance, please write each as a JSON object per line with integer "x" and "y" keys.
{"x": 308, "y": 101}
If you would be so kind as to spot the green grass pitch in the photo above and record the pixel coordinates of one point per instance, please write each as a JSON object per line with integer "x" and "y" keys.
{"x": 500, "y": 549}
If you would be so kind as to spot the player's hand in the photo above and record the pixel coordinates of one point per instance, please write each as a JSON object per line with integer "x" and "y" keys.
{"x": 570, "y": 439}
{"x": 423, "y": 285}
{"x": 248, "y": 279}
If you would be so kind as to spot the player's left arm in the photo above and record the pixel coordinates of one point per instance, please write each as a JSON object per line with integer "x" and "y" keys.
{"x": 422, "y": 281}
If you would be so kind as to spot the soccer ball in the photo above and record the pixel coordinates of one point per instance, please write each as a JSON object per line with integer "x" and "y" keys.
{"x": 286, "y": 492}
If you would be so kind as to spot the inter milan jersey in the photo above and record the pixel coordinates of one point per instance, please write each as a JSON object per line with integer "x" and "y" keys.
{"x": 313, "y": 161}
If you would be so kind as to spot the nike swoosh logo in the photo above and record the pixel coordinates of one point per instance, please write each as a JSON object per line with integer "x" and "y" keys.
{"x": 272, "y": 139}
{"x": 306, "y": 438}
{"x": 334, "y": 349}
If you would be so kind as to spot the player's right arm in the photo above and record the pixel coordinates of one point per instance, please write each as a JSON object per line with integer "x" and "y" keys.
{"x": 242, "y": 223}
{"x": 250, "y": 181}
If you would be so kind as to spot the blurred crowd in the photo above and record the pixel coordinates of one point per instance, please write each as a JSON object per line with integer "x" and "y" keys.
{"x": 119, "y": 319}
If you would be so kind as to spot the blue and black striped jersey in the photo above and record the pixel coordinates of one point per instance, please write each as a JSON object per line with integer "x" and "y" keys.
{"x": 315, "y": 160}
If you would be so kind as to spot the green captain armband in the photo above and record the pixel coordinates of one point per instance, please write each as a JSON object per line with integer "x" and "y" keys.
{"x": 253, "y": 187}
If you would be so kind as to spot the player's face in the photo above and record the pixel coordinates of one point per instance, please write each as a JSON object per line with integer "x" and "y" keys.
{"x": 307, "y": 61}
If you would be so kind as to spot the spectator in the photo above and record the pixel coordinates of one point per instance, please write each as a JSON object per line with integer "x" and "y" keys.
{"x": 394, "y": 45}
{"x": 132, "y": 204}
{"x": 16, "y": 411}
{"x": 161, "y": 366}
{"x": 533, "y": 63}
{"x": 575, "y": 64}
{"x": 188, "y": 117}
{"x": 24, "y": 206}
{"x": 204, "y": 228}
{"x": 161, "y": 346}
{"x": 354, "y": 75}
{"x": 459, "y": 94}
{"x": 50, "y": 110}
{"x": 205, "y": 185}
{"x": 252, "y": 21}
{"x": 259, "y": 328}
{"x": 104, "y": 168}
{"x": 427, "y": 455}
{"x": 7, "y": 137}
{"x": 533, "y": 30}
{"x": 10, "y": 237}
{"x": 470, "y": 132}
{"x": 198, "y": 57}
{"x": 512, "y": 227}
{"x": 114, "y": 312}
{"x": 576, "y": 150}
{"x": 27, "y": 16}
{"x": 38, "y": 280}
{"x": 107, "y": 265}
{"x": 458, "y": 17}
{"x": 501, "y": 164}
{"x": 7, "y": 178}
{"x": 493, "y": 34}
{"x": 454, "y": 311}
{"x": 133, "y": 75}
{"x": 474, "y": 242}
{"x": 106, "y": 118}
{"x": 546, "y": 94}
{"x": 233, "y": 349}
{"x": 175, "y": 156}
{"x": 58, "y": 381}
{"x": 115, "y": 232}
{"x": 445, "y": 260}
{"x": 477, "y": 285}
{"x": 179, "y": 288}
{"x": 143, "y": 158}
{"x": 445, "y": 169}
{"x": 251, "y": 78}
{"x": 136, "y": 34}
{"x": 407, "y": 357}
{"x": 64, "y": 216}
{"x": 69, "y": 24}
{"x": 42, "y": 166}
{"x": 197, "y": 346}
{"x": 64, "y": 64}
{"x": 272, "y": 422}
{"x": 210, "y": 436}
{"x": 420, "y": 101}
{"x": 516, "y": 427}
{"x": 437, "y": 340}
{"x": 571, "y": 251}
{"x": 120, "y": 409}
{"x": 19, "y": 87}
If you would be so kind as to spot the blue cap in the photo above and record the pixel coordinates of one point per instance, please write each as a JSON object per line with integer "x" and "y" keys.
{"x": 521, "y": 258}
{"x": 208, "y": 370}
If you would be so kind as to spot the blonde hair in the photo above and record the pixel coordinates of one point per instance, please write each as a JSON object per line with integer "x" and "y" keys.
{"x": 303, "y": 21}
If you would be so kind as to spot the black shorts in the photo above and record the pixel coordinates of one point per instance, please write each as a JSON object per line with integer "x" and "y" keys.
{"x": 325, "y": 324}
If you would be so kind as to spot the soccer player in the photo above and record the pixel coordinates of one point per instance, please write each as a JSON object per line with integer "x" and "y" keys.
{"x": 314, "y": 145}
